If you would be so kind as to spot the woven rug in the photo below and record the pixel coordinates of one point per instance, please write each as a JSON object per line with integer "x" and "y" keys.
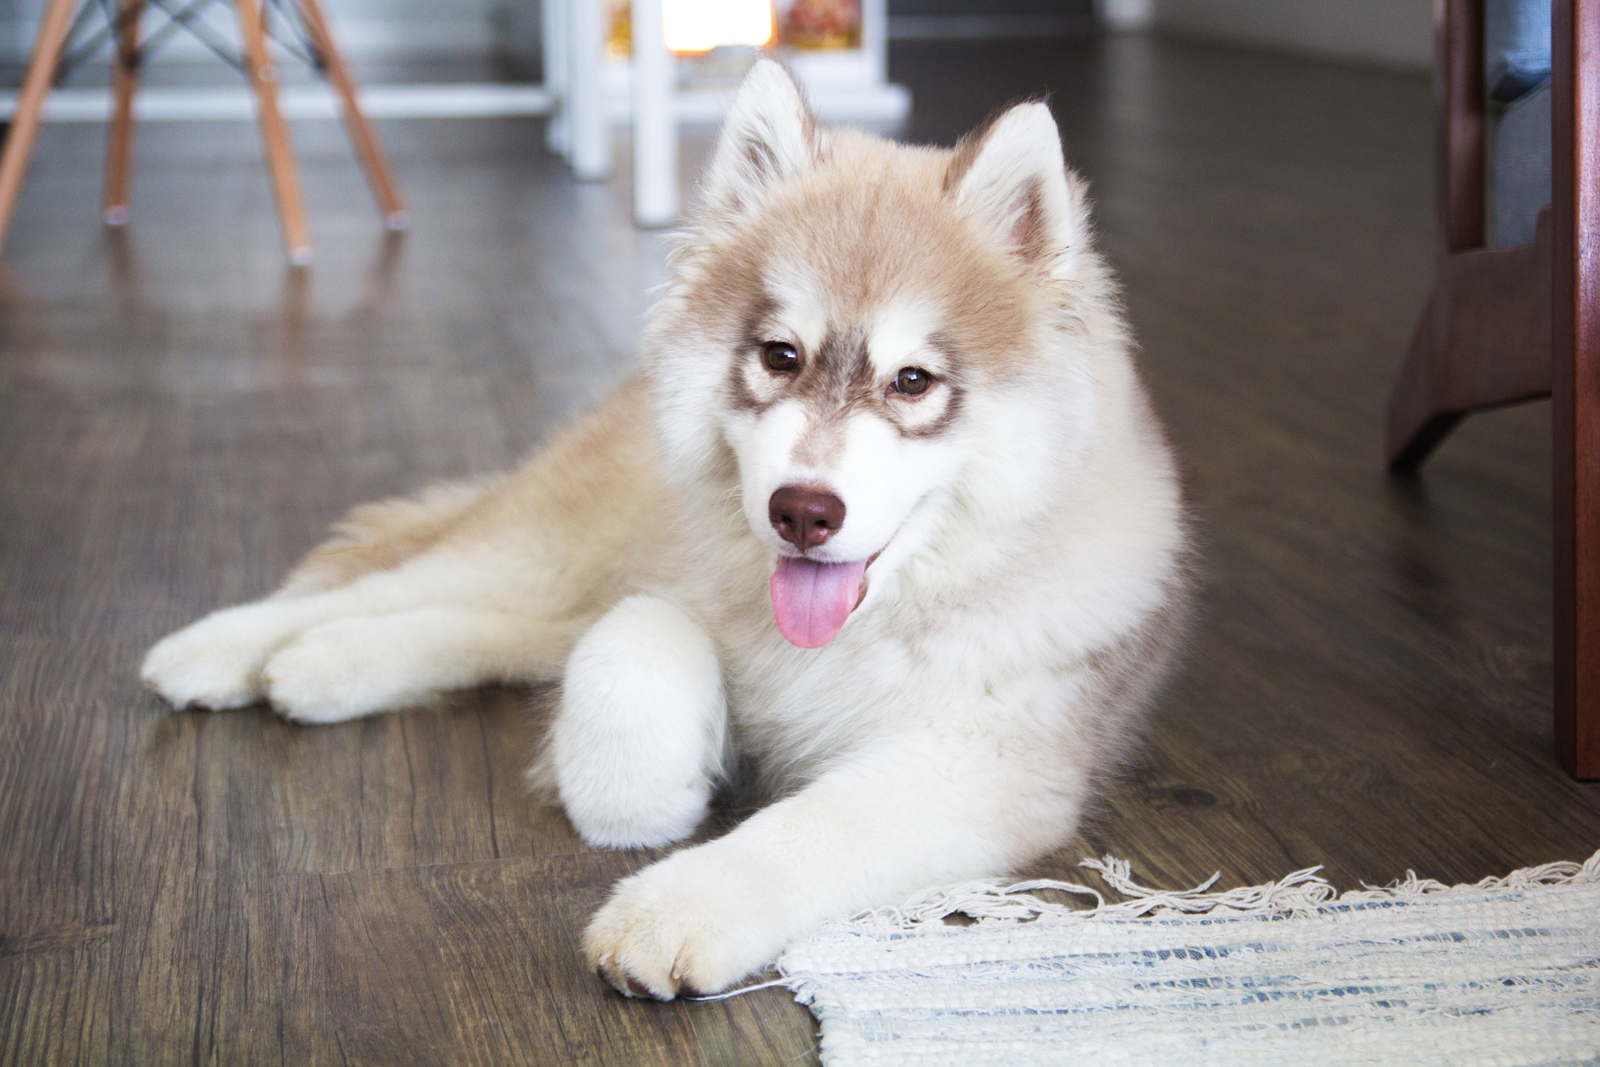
{"x": 1504, "y": 972}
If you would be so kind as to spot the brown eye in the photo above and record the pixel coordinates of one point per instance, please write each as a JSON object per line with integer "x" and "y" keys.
{"x": 780, "y": 356}
{"x": 912, "y": 381}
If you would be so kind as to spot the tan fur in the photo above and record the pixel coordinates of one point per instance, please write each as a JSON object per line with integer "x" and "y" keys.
{"x": 871, "y": 219}
{"x": 588, "y": 498}
{"x": 384, "y": 534}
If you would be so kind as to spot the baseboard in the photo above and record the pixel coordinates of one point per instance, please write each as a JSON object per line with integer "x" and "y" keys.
{"x": 943, "y": 27}
{"x": 237, "y": 103}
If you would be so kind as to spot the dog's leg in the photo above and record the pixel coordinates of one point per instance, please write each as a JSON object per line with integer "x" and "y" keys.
{"x": 217, "y": 662}
{"x": 866, "y": 833}
{"x": 638, "y": 744}
{"x": 358, "y": 666}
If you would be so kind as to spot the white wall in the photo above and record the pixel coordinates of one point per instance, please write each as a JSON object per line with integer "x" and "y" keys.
{"x": 1395, "y": 32}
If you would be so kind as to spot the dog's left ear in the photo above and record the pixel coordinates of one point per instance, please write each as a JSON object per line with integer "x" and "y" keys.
{"x": 1010, "y": 178}
{"x": 769, "y": 135}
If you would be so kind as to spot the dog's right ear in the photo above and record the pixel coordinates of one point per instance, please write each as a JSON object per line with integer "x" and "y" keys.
{"x": 769, "y": 135}
{"x": 1009, "y": 177}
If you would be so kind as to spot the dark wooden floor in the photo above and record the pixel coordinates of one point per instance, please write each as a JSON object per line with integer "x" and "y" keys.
{"x": 179, "y": 418}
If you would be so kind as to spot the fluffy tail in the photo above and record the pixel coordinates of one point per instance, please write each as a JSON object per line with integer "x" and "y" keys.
{"x": 382, "y": 535}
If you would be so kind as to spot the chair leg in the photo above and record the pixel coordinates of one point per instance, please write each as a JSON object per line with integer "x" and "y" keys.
{"x": 368, "y": 148}
{"x": 1575, "y": 159}
{"x": 119, "y": 140}
{"x": 1483, "y": 341}
{"x": 25, "y": 120}
{"x": 263, "y": 75}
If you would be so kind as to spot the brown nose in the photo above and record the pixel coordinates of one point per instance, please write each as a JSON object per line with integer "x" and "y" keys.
{"x": 805, "y": 517}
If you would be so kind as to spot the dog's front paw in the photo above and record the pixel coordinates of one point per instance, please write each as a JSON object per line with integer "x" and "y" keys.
{"x": 336, "y": 671}
{"x": 215, "y": 663}
{"x": 679, "y": 926}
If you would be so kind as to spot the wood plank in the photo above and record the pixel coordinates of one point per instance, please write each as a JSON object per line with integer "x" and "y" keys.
{"x": 463, "y": 963}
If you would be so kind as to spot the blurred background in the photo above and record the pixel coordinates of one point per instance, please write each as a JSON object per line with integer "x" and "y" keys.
{"x": 506, "y": 33}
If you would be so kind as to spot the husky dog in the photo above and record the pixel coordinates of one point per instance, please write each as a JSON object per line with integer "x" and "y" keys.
{"x": 887, "y": 516}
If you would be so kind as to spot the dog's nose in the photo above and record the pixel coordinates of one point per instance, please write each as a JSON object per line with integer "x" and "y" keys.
{"x": 805, "y": 517}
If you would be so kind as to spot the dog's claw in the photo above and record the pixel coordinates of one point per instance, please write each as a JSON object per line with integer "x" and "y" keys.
{"x": 626, "y": 984}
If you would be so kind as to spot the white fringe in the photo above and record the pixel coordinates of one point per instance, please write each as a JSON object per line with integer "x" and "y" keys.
{"x": 1304, "y": 892}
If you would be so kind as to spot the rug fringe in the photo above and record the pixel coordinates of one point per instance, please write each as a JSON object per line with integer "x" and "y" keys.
{"x": 1302, "y": 893}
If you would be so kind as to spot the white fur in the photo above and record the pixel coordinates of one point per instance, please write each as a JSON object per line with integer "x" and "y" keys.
{"x": 802, "y": 304}
{"x": 389, "y": 640}
{"x": 638, "y": 744}
{"x": 766, "y": 138}
{"x": 1022, "y": 153}
{"x": 899, "y": 338}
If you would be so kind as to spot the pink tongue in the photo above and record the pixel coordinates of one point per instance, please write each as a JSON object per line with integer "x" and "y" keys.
{"x": 811, "y": 600}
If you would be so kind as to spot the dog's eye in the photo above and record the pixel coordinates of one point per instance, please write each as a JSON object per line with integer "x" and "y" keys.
{"x": 780, "y": 356}
{"x": 912, "y": 381}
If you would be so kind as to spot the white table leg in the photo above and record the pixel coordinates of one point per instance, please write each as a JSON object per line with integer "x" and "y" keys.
{"x": 555, "y": 48}
{"x": 588, "y": 135}
{"x": 655, "y": 126}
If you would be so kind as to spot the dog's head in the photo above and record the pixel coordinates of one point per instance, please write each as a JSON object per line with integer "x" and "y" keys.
{"x": 866, "y": 340}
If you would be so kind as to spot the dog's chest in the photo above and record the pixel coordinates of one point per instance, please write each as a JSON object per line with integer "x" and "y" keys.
{"x": 795, "y": 707}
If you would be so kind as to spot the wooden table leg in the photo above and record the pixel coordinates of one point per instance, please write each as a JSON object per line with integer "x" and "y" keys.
{"x": 1575, "y": 195}
{"x": 368, "y": 148}
{"x": 119, "y": 139}
{"x": 25, "y": 120}
{"x": 263, "y": 75}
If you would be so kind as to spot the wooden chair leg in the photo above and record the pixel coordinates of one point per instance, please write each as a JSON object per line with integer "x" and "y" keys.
{"x": 263, "y": 75}
{"x": 119, "y": 139}
{"x": 1484, "y": 341}
{"x": 1460, "y": 124}
{"x": 368, "y": 148}
{"x": 1419, "y": 416}
{"x": 1575, "y": 174}
{"x": 25, "y": 120}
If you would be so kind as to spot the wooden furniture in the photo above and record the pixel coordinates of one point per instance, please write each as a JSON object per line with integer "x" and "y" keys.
{"x": 1509, "y": 324}
{"x": 55, "y": 33}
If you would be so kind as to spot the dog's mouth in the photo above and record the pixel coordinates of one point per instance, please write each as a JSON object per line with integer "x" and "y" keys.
{"x": 811, "y": 600}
